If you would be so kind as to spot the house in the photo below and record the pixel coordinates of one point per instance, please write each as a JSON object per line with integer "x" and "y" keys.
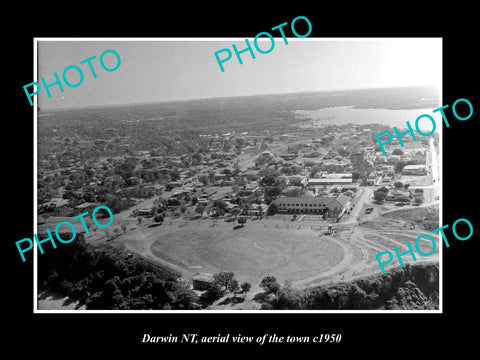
{"x": 58, "y": 205}
{"x": 350, "y": 193}
{"x": 219, "y": 176}
{"x": 394, "y": 195}
{"x": 281, "y": 180}
{"x": 203, "y": 201}
{"x": 300, "y": 179}
{"x": 255, "y": 209}
{"x": 250, "y": 174}
{"x": 230, "y": 205}
{"x": 251, "y": 186}
{"x": 208, "y": 193}
{"x": 201, "y": 281}
{"x": 340, "y": 204}
{"x": 143, "y": 212}
{"x": 85, "y": 207}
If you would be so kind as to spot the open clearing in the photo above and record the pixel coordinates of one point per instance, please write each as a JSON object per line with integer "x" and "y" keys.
{"x": 251, "y": 252}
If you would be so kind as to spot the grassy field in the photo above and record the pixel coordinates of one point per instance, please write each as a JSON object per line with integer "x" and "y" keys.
{"x": 251, "y": 252}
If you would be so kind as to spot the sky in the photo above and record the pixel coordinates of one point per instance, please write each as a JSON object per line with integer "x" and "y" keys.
{"x": 174, "y": 69}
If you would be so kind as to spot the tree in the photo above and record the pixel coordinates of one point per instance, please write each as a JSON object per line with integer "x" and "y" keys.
{"x": 383, "y": 189}
{"x": 294, "y": 192}
{"x": 174, "y": 175}
{"x": 398, "y": 185}
{"x": 211, "y": 176}
{"x": 158, "y": 218}
{"x": 203, "y": 179}
{"x": 245, "y": 286}
{"x": 418, "y": 200}
{"x": 225, "y": 281}
{"x": 272, "y": 209}
{"x": 184, "y": 298}
{"x": 139, "y": 220}
{"x": 379, "y": 196}
{"x": 343, "y": 152}
{"x": 397, "y": 152}
{"x": 399, "y": 166}
{"x": 356, "y": 175}
{"x": 270, "y": 285}
{"x": 273, "y": 191}
{"x": 212, "y": 293}
{"x": 196, "y": 158}
{"x": 242, "y": 220}
{"x": 268, "y": 180}
{"x": 220, "y": 204}
{"x": 288, "y": 298}
{"x": 233, "y": 286}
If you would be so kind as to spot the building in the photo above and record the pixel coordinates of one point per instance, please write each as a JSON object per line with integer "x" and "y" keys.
{"x": 143, "y": 212}
{"x": 338, "y": 176}
{"x": 315, "y": 205}
{"x": 85, "y": 207}
{"x": 327, "y": 181}
{"x": 200, "y": 281}
{"x": 57, "y": 205}
{"x": 298, "y": 179}
{"x": 255, "y": 210}
{"x": 414, "y": 170}
{"x": 394, "y": 195}
{"x": 208, "y": 193}
{"x": 251, "y": 186}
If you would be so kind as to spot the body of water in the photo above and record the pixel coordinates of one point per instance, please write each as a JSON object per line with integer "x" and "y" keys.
{"x": 341, "y": 115}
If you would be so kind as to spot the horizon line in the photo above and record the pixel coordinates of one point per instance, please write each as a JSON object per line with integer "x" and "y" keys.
{"x": 228, "y": 97}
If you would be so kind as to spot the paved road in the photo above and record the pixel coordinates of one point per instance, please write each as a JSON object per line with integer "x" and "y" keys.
{"x": 363, "y": 195}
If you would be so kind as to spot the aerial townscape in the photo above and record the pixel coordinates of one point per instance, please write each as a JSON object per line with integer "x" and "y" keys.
{"x": 236, "y": 204}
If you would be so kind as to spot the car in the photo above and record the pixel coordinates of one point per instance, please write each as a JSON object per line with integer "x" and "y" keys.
{"x": 400, "y": 203}
{"x": 368, "y": 210}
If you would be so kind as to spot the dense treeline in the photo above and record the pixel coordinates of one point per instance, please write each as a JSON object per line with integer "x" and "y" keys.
{"x": 110, "y": 279}
{"x": 414, "y": 287}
